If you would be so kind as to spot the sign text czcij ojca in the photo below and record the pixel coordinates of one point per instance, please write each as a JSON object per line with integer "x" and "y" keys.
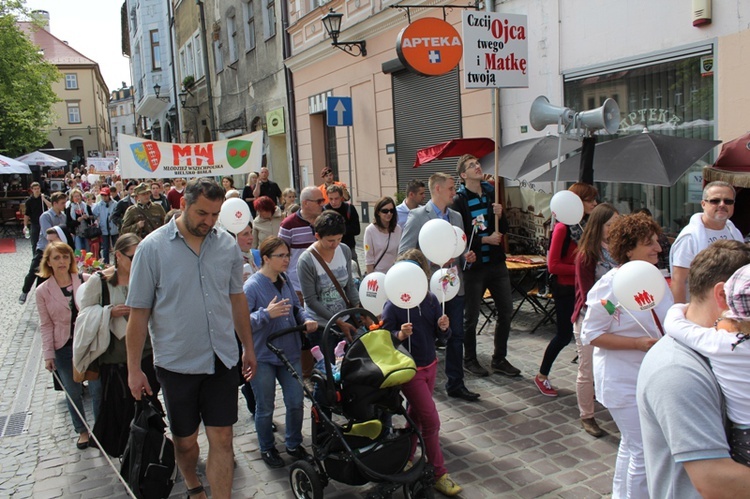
{"x": 496, "y": 50}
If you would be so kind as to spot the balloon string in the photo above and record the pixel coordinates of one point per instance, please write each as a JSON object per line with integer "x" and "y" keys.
{"x": 636, "y": 320}
{"x": 468, "y": 248}
{"x": 408, "y": 319}
{"x": 443, "y": 299}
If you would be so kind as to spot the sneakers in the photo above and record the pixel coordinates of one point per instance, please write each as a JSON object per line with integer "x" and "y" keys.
{"x": 446, "y": 486}
{"x": 298, "y": 452}
{"x": 545, "y": 387}
{"x": 22, "y": 298}
{"x": 505, "y": 367}
{"x": 272, "y": 458}
{"x": 590, "y": 426}
{"x": 474, "y": 367}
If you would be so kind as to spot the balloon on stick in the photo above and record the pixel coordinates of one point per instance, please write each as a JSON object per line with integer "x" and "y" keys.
{"x": 567, "y": 207}
{"x": 372, "y": 294}
{"x": 444, "y": 284}
{"x": 460, "y": 242}
{"x": 639, "y": 286}
{"x": 234, "y": 215}
{"x": 406, "y": 285}
{"x": 437, "y": 241}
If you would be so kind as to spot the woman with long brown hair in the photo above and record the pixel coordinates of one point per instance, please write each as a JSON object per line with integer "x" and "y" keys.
{"x": 382, "y": 237}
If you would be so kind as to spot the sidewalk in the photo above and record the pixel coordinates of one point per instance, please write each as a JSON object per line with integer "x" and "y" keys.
{"x": 514, "y": 442}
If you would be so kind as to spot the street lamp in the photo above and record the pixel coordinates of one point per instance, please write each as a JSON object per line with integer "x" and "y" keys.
{"x": 332, "y": 24}
{"x": 157, "y": 89}
{"x": 183, "y": 101}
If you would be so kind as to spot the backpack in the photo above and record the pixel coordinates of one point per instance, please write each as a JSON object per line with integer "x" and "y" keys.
{"x": 148, "y": 464}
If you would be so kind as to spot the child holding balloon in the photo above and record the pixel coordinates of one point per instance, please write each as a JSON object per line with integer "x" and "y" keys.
{"x": 418, "y": 328}
{"x": 727, "y": 348}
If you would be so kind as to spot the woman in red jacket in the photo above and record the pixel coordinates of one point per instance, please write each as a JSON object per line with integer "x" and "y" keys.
{"x": 561, "y": 266}
{"x": 592, "y": 261}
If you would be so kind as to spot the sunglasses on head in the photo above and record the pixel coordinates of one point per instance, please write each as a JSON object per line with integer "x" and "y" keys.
{"x": 716, "y": 201}
{"x": 386, "y": 211}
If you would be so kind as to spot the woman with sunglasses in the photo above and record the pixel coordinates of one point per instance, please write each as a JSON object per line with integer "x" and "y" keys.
{"x": 118, "y": 406}
{"x": 382, "y": 237}
{"x": 704, "y": 228}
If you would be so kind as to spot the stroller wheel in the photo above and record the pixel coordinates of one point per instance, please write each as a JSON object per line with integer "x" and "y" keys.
{"x": 418, "y": 490}
{"x": 305, "y": 481}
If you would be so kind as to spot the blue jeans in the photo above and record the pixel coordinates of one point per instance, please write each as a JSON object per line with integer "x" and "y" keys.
{"x": 107, "y": 243}
{"x": 264, "y": 388}
{"x": 496, "y": 278}
{"x": 454, "y": 350}
{"x": 64, "y": 366}
{"x": 82, "y": 243}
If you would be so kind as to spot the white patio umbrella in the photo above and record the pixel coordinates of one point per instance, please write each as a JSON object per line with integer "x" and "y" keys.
{"x": 10, "y": 165}
{"x": 38, "y": 158}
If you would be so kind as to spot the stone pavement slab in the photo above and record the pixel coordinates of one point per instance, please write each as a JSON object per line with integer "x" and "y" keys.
{"x": 514, "y": 442}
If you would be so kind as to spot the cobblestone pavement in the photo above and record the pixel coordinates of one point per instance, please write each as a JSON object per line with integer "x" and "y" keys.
{"x": 514, "y": 442}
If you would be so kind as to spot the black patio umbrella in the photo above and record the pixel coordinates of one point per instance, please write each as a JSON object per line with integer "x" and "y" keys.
{"x": 525, "y": 156}
{"x": 644, "y": 158}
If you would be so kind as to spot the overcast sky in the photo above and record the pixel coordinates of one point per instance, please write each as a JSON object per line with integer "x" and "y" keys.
{"x": 92, "y": 27}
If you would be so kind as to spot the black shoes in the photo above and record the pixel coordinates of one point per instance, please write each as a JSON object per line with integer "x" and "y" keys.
{"x": 463, "y": 393}
{"x": 474, "y": 367}
{"x": 505, "y": 367}
{"x": 298, "y": 452}
{"x": 272, "y": 458}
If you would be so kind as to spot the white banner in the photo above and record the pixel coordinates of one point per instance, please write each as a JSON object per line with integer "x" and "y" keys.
{"x": 102, "y": 166}
{"x": 141, "y": 158}
{"x": 496, "y": 50}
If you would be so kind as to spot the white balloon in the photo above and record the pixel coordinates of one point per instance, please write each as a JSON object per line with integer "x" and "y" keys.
{"x": 234, "y": 215}
{"x": 461, "y": 242}
{"x": 639, "y": 285}
{"x": 406, "y": 284}
{"x": 437, "y": 241}
{"x": 567, "y": 207}
{"x": 444, "y": 284}
{"x": 372, "y": 292}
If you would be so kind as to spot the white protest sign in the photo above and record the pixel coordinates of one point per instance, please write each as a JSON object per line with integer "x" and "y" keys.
{"x": 496, "y": 50}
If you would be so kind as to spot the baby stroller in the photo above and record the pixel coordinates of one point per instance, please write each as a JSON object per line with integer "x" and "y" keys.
{"x": 353, "y": 441}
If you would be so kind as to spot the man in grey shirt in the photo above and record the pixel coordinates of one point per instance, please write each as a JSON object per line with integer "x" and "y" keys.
{"x": 679, "y": 401}
{"x": 193, "y": 315}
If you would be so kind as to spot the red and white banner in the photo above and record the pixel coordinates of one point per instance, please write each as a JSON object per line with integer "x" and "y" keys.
{"x": 142, "y": 158}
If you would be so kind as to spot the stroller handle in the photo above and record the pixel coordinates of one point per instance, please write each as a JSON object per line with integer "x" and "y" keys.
{"x": 284, "y": 332}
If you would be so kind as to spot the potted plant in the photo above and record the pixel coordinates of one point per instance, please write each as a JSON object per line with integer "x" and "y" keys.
{"x": 188, "y": 83}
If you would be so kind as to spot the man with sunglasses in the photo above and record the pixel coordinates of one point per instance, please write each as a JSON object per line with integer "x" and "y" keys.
{"x": 704, "y": 228}
{"x": 296, "y": 230}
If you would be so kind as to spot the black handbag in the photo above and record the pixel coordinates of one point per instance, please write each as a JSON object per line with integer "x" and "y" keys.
{"x": 92, "y": 232}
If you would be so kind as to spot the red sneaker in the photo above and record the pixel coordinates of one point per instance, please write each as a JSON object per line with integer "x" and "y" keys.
{"x": 545, "y": 387}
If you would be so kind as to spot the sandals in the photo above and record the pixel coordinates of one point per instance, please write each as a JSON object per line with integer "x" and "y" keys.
{"x": 82, "y": 445}
{"x": 195, "y": 491}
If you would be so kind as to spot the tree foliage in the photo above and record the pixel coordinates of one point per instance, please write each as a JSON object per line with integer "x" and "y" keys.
{"x": 26, "y": 95}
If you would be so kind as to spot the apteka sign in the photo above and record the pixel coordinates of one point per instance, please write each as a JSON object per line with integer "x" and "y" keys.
{"x": 429, "y": 46}
{"x": 496, "y": 50}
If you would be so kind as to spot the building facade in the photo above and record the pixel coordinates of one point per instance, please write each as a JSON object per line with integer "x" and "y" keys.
{"x": 82, "y": 123}
{"x": 122, "y": 117}
{"x": 665, "y": 74}
{"x": 151, "y": 68}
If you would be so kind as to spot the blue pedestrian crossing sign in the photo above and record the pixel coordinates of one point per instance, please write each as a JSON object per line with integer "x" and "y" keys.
{"x": 339, "y": 111}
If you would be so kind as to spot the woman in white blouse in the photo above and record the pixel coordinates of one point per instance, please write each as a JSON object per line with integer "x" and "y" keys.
{"x": 620, "y": 343}
{"x": 382, "y": 237}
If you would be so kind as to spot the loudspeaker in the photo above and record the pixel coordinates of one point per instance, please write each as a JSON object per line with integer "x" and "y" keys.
{"x": 543, "y": 113}
{"x": 607, "y": 117}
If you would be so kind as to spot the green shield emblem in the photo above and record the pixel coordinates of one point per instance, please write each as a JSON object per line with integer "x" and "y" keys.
{"x": 238, "y": 151}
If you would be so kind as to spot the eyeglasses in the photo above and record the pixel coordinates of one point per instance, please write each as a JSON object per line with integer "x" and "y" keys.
{"x": 129, "y": 257}
{"x": 387, "y": 211}
{"x": 317, "y": 201}
{"x": 716, "y": 201}
{"x": 284, "y": 256}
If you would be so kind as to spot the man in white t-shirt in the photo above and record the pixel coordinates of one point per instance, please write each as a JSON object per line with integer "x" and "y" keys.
{"x": 704, "y": 228}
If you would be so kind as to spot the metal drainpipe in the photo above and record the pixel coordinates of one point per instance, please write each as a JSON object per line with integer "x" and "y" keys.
{"x": 291, "y": 105}
{"x": 209, "y": 90}
{"x": 176, "y": 125}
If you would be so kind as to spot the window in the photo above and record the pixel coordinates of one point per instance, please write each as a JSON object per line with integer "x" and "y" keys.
{"x": 269, "y": 18}
{"x": 199, "y": 71}
{"x": 248, "y": 18}
{"x": 155, "y": 50}
{"x": 71, "y": 81}
{"x": 190, "y": 56}
{"x": 74, "y": 112}
{"x": 218, "y": 59}
{"x": 232, "y": 39}
{"x": 123, "y": 128}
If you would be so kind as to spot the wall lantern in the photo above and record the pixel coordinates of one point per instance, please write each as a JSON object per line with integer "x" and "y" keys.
{"x": 332, "y": 24}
